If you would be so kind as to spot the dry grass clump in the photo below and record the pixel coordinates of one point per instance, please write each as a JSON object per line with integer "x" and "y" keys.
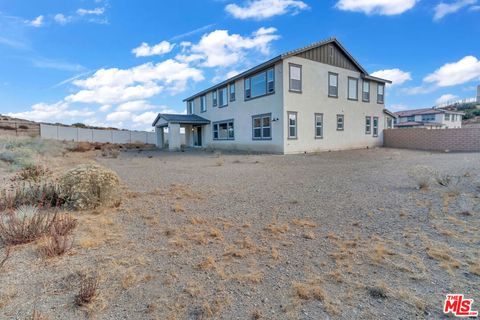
{"x": 276, "y": 228}
{"x": 309, "y": 235}
{"x": 110, "y": 151}
{"x": 55, "y": 244}
{"x": 33, "y": 173}
{"x": 24, "y": 225}
{"x": 304, "y": 223}
{"x": 37, "y": 315}
{"x": 45, "y": 194}
{"x": 474, "y": 268}
{"x": 422, "y": 176}
{"x": 443, "y": 254}
{"x": 311, "y": 290}
{"x": 220, "y": 162}
{"x": 251, "y": 276}
{"x": 275, "y": 253}
{"x": 207, "y": 264}
{"x": 178, "y": 208}
{"x": 63, "y": 224}
{"x": 88, "y": 290}
{"x": 89, "y": 186}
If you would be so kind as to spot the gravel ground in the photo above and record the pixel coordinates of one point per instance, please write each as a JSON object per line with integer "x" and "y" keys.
{"x": 341, "y": 235}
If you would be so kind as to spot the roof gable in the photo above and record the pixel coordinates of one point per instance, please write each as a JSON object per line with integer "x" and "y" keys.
{"x": 180, "y": 118}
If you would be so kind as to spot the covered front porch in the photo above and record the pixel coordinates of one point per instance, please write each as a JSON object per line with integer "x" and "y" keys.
{"x": 168, "y": 128}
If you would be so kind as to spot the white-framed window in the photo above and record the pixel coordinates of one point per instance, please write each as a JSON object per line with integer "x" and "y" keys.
{"x": 340, "y": 122}
{"x": 368, "y": 125}
{"x": 203, "y": 103}
{"x": 260, "y": 84}
{"x": 295, "y": 77}
{"x": 375, "y": 126}
{"x": 352, "y": 88}
{"x": 222, "y": 97}
{"x": 223, "y": 130}
{"x": 190, "y": 107}
{"x": 214, "y": 98}
{"x": 447, "y": 116}
{"x": 292, "y": 125}
{"x": 410, "y": 118}
{"x": 318, "y": 125}
{"x": 333, "y": 85}
{"x": 428, "y": 117}
{"x": 262, "y": 127}
{"x": 366, "y": 91}
{"x": 232, "y": 91}
{"x": 380, "y": 93}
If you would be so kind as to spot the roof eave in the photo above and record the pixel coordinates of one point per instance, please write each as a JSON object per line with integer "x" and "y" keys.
{"x": 369, "y": 77}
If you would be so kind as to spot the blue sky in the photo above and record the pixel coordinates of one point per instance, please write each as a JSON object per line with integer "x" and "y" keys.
{"x": 118, "y": 63}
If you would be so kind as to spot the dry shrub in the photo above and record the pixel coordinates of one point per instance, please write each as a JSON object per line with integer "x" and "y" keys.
{"x": 55, "y": 244}
{"x": 474, "y": 268}
{"x": 197, "y": 220}
{"x": 275, "y": 253}
{"x": 443, "y": 254}
{"x": 24, "y": 225}
{"x": 446, "y": 180}
{"x": 110, "y": 151}
{"x": 216, "y": 233}
{"x": 311, "y": 290}
{"x": 81, "y": 147}
{"x": 251, "y": 276}
{"x": 5, "y": 258}
{"x": 304, "y": 223}
{"x": 63, "y": 224}
{"x": 89, "y": 186}
{"x": 422, "y": 176}
{"x": 33, "y": 173}
{"x": 207, "y": 264}
{"x": 88, "y": 290}
{"x": 220, "y": 162}
{"x": 43, "y": 194}
{"x": 178, "y": 208}
{"x": 37, "y": 315}
{"x": 309, "y": 235}
{"x": 276, "y": 228}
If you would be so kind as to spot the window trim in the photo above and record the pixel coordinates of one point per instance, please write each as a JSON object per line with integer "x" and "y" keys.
{"x": 248, "y": 79}
{"x": 328, "y": 85}
{"x": 369, "y": 90}
{"x": 290, "y": 65}
{"x": 232, "y": 85}
{"x": 214, "y": 98}
{"x": 289, "y": 126}
{"x": 218, "y": 96}
{"x": 315, "y": 125}
{"x": 203, "y": 103}
{"x": 342, "y": 116}
{"x": 261, "y": 116}
{"x": 218, "y": 131}
{"x": 190, "y": 106}
{"x": 348, "y": 89}
{"x": 378, "y": 94}
{"x": 369, "y": 125}
{"x": 375, "y": 127}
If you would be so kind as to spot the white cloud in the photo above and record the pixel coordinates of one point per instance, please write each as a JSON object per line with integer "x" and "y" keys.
{"x": 112, "y": 86}
{"x": 59, "y": 111}
{"x": 146, "y": 117}
{"x": 221, "y": 49}
{"x": 37, "y": 22}
{"x": 119, "y": 116}
{"x": 382, "y": 7}
{"x": 144, "y": 50}
{"x": 96, "y": 11}
{"x": 138, "y": 105}
{"x": 451, "y": 74}
{"x": 60, "y": 18}
{"x": 105, "y": 108}
{"x": 263, "y": 9}
{"x": 443, "y": 9}
{"x": 396, "y": 75}
{"x": 446, "y": 98}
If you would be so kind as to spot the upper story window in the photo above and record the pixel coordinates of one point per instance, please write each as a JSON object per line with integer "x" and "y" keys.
{"x": 203, "y": 103}
{"x": 428, "y": 117}
{"x": 232, "y": 91}
{"x": 261, "y": 84}
{"x": 366, "y": 91}
{"x": 222, "y": 97}
{"x": 333, "y": 85}
{"x": 410, "y": 118}
{"x": 295, "y": 78}
{"x": 190, "y": 106}
{"x": 380, "y": 93}
{"x": 292, "y": 125}
{"x": 214, "y": 98}
{"x": 352, "y": 88}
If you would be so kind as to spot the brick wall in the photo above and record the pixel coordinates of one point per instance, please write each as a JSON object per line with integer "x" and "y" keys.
{"x": 464, "y": 139}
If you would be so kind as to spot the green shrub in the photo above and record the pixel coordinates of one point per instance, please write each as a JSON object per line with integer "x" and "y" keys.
{"x": 89, "y": 186}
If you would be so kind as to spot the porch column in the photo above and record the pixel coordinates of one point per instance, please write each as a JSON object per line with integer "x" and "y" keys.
{"x": 160, "y": 137}
{"x": 174, "y": 140}
{"x": 188, "y": 136}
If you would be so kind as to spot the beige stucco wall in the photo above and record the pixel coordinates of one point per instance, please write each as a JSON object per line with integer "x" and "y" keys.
{"x": 242, "y": 111}
{"x": 314, "y": 99}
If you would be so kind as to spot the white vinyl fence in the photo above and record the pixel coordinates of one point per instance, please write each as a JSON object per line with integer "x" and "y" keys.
{"x": 94, "y": 135}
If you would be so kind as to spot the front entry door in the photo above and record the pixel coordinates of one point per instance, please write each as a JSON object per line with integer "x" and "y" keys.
{"x": 197, "y": 136}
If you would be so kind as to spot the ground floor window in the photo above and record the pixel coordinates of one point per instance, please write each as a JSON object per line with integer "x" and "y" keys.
{"x": 368, "y": 125}
{"x": 292, "y": 125}
{"x": 262, "y": 127}
{"x": 223, "y": 130}
{"x": 318, "y": 125}
{"x": 340, "y": 122}
{"x": 375, "y": 126}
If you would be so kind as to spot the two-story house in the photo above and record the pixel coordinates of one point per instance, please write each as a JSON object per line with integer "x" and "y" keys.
{"x": 316, "y": 98}
{"x": 431, "y": 118}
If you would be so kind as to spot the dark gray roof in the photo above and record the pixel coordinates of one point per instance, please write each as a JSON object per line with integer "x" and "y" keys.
{"x": 181, "y": 118}
{"x": 285, "y": 55}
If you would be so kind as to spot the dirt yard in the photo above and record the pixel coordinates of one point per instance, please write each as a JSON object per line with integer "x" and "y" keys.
{"x": 199, "y": 235}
